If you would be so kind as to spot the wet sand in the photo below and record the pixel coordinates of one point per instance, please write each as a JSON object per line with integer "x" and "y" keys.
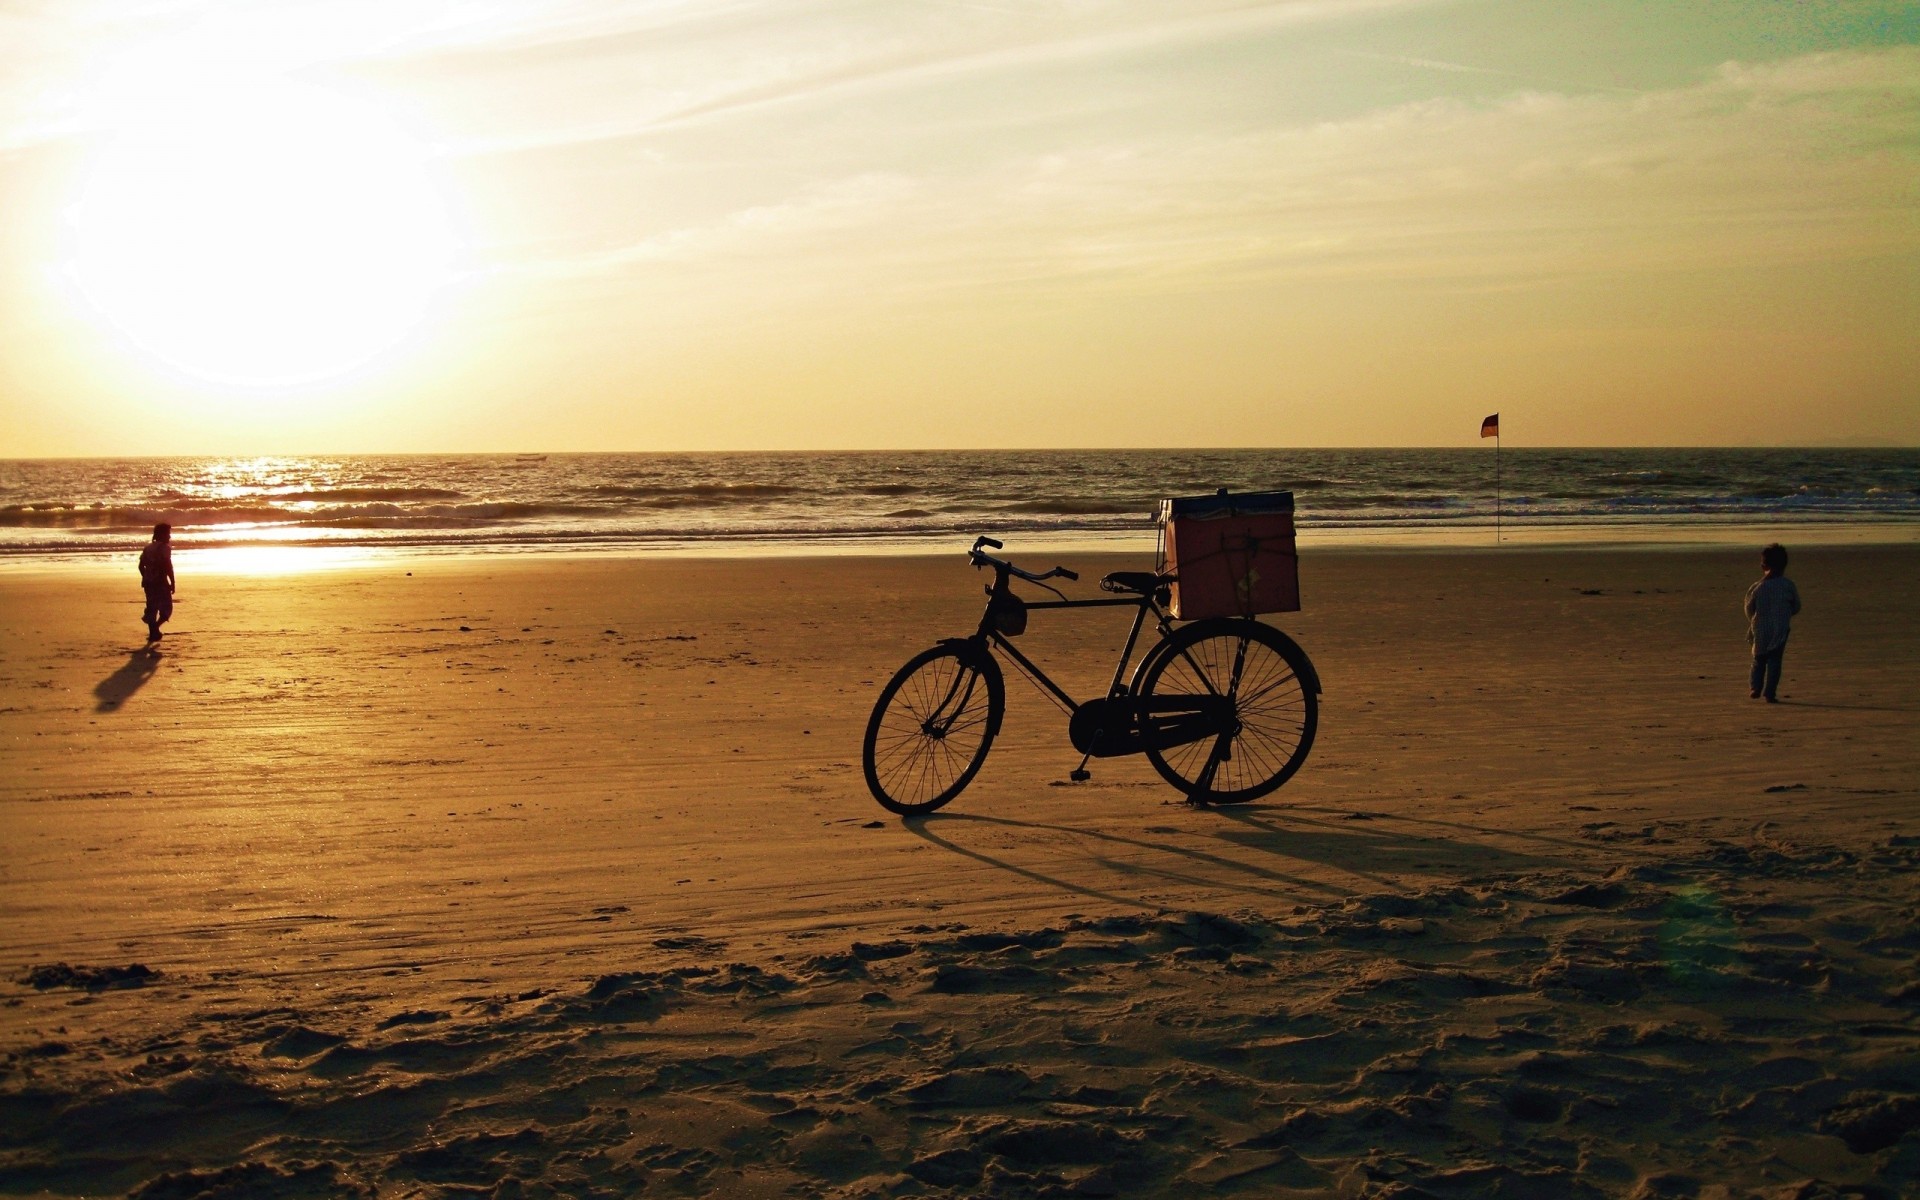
{"x": 557, "y": 876}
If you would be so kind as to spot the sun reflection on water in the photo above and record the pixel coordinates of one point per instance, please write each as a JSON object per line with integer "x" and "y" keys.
{"x": 265, "y": 475}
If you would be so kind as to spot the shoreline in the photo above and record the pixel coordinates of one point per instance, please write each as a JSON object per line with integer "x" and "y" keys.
{"x": 265, "y": 555}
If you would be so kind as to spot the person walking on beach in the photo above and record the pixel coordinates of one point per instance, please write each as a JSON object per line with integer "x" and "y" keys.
{"x": 156, "y": 579}
{"x": 1772, "y": 603}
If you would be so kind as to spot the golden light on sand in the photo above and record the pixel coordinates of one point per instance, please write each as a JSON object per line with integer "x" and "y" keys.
{"x": 265, "y": 235}
{"x": 257, "y": 560}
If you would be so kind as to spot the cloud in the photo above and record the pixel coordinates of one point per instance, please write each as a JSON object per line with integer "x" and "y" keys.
{"x": 81, "y": 66}
{"x": 1454, "y": 68}
{"x": 845, "y": 206}
{"x": 1077, "y": 146}
{"x": 1810, "y": 159}
{"x": 692, "y": 65}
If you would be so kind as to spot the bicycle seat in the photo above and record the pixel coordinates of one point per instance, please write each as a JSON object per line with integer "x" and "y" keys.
{"x": 1140, "y": 583}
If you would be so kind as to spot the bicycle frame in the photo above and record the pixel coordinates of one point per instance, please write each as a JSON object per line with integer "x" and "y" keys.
{"x": 989, "y": 633}
{"x": 1112, "y": 725}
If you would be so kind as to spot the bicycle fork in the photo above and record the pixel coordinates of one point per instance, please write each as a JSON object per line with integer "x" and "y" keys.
{"x": 940, "y": 721}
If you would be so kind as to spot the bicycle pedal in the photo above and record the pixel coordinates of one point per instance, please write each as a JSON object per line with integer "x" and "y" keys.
{"x": 1079, "y": 776}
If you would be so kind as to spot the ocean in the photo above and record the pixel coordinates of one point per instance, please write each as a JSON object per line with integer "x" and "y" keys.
{"x": 934, "y": 499}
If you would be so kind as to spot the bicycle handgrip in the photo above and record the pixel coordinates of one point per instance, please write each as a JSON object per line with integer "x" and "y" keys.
{"x": 987, "y": 541}
{"x": 1073, "y": 575}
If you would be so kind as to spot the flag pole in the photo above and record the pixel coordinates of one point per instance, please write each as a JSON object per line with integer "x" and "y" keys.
{"x": 1490, "y": 428}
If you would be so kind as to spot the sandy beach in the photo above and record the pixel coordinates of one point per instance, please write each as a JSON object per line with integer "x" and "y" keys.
{"x": 550, "y": 876}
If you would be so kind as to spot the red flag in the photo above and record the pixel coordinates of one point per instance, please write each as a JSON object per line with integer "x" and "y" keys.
{"x": 1491, "y": 426}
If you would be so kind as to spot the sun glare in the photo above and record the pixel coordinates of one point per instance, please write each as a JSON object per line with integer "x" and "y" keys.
{"x": 276, "y": 235}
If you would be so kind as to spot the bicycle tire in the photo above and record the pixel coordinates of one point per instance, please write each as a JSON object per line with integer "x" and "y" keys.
{"x": 932, "y": 726}
{"x": 1273, "y": 725}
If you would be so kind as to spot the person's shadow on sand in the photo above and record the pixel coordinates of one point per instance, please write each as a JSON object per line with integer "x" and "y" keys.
{"x": 114, "y": 690}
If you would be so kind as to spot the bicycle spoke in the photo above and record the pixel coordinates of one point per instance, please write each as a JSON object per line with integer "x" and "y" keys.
{"x": 930, "y": 730}
{"x": 1272, "y": 711}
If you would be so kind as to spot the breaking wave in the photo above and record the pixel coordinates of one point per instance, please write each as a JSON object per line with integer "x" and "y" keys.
{"x": 617, "y": 499}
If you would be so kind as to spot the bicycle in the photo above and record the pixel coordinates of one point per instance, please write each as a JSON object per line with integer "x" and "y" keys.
{"x": 1224, "y": 708}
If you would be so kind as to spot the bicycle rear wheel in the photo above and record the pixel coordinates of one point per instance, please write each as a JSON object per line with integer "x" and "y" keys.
{"x": 1269, "y": 690}
{"x": 932, "y": 727}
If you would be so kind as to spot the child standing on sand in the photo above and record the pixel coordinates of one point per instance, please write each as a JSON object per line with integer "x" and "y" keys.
{"x": 1772, "y": 603}
{"x": 156, "y": 579}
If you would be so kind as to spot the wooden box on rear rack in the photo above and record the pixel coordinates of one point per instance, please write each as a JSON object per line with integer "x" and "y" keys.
{"x": 1234, "y": 555}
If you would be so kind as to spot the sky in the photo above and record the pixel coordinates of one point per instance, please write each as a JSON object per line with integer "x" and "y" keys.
{"x": 515, "y": 225}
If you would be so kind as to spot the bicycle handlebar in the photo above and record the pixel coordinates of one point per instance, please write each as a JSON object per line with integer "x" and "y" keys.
{"x": 979, "y": 559}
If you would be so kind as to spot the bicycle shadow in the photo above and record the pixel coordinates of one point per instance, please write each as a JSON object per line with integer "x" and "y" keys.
{"x": 1335, "y": 820}
{"x": 1334, "y": 837}
{"x": 1381, "y": 858}
{"x": 918, "y": 827}
{"x": 113, "y": 691}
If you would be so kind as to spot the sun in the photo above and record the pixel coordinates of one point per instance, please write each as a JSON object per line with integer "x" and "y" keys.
{"x": 278, "y": 235}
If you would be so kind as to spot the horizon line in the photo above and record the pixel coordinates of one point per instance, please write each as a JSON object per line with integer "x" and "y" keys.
{"x": 1860, "y": 446}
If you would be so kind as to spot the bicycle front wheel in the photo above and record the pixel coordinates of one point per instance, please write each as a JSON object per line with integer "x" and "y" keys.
{"x": 1258, "y": 691}
{"x": 932, "y": 727}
